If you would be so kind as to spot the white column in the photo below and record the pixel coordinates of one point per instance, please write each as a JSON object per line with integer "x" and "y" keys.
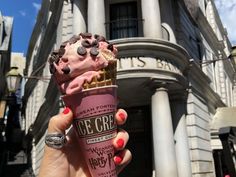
{"x": 222, "y": 81}
{"x": 181, "y": 138}
{"x": 96, "y": 17}
{"x": 79, "y": 20}
{"x": 34, "y": 160}
{"x": 163, "y": 138}
{"x": 234, "y": 95}
{"x": 152, "y": 19}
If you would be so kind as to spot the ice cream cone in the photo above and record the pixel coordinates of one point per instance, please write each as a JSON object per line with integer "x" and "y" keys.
{"x": 85, "y": 70}
{"x": 107, "y": 77}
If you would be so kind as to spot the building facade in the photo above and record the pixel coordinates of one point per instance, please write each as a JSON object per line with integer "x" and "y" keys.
{"x": 174, "y": 72}
{"x": 6, "y": 24}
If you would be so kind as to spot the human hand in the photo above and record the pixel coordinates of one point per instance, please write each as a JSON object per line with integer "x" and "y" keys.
{"x": 68, "y": 161}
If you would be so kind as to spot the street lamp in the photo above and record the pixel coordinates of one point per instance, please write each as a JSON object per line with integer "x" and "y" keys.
{"x": 231, "y": 57}
{"x": 13, "y": 78}
{"x": 13, "y": 132}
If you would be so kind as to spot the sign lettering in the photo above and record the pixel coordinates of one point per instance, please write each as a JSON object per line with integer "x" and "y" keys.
{"x": 148, "y": 63}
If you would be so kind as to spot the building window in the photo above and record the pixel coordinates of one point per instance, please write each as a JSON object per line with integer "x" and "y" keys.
{"x": 123, "y": 20}
{"x": 199, "y": 50}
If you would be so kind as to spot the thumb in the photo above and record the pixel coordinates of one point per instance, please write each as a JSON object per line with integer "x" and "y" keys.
{"x": 59, "y": 123}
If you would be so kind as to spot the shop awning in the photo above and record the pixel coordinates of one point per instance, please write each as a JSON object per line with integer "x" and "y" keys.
{"x": 224, "y": 117}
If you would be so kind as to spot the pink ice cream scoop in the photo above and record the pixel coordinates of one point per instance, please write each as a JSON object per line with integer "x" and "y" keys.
{"x": 80, "y": 60}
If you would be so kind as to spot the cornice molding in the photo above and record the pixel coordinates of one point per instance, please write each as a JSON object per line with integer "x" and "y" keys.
{"x": 202, "y": 87}
{"x": 149, "y": 47}
{"x": 208, "y": 32}
{"x": 142, "y": 57}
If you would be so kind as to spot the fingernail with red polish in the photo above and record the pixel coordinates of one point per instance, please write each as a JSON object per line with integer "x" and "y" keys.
{"x": 117, "y": 160}
{"x": 66, "y": 110}
{"x": 122, "y": 115}
{"x": 120, "y": 143}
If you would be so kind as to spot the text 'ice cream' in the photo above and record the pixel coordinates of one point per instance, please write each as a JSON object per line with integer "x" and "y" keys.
{"x": 84, "y": 61}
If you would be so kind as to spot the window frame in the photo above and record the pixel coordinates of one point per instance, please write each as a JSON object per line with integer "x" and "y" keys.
{"x": 108, "y": 3}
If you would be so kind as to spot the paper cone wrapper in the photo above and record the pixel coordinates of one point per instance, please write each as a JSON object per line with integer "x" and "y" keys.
{"x": 94, "y": 120}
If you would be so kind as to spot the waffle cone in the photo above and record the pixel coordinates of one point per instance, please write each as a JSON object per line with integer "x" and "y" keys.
{"x": 107, "y": 77}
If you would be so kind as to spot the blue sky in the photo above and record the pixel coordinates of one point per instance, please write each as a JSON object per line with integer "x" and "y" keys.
{"x": 24, "y": 13}
{"x": 227, "y": 11}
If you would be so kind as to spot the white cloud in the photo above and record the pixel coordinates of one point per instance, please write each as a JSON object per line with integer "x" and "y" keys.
{"x": 22, "y": 13}
{"x": 227, "y": 12}
{"x": 36, "y": 6}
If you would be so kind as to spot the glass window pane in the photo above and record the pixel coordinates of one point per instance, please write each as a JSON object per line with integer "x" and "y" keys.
{"x": 123, "y": 20}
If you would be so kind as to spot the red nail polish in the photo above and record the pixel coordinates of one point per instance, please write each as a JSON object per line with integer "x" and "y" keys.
{"x": 122, "y": 115}
{"x": 120, "y": 143}
{"x": 117, "y": 160}
{"x": 66, "y": 110}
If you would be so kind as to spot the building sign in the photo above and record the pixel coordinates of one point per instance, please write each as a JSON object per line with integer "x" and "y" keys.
{"x": 130, "y": 63}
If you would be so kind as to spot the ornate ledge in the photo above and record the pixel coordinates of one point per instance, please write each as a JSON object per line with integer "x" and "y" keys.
{"x": 145, "y": 64}
{"x": 146, "y": 57}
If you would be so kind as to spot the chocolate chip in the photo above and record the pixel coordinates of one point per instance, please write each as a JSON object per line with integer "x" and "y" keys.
{"x": 64, "y": 59}
{"x": 66, "y": 70}
{"x": 86, "y": 43}
{"x": 64, "y": 44}
{"x": 73, "y": 40}
{"x": 94, "y": 51}
{"x": 95, "y": 43}
{"x": 52, "y": 69}
{"x": 57, "y": 58}
{"x": 110, "y": 47}
{"x": 96, "y": 36}
{"x": 55, "y": 52}
{"x": 51, "y": 59}
{"x": 86, "y": 35}
{"x": 81, "y": 51}
{"x": 101, "y": 38}
{"x": 61, "y": 52}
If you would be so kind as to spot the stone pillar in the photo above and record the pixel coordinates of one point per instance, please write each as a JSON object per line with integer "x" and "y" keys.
{"x": 96, "y": 17}
{"x": 222, "y": 80}
{"x": 34, "y": 160}
{"x": 181, "y": 138}
{"x": 163, "y": 138}
{"x": 79, "y": 13}
{"x": 234, "y": 95}
{"x": 152, "y": 18}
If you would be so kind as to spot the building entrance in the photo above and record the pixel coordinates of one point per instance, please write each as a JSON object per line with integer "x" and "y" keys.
{"x": 138, "y": 126}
